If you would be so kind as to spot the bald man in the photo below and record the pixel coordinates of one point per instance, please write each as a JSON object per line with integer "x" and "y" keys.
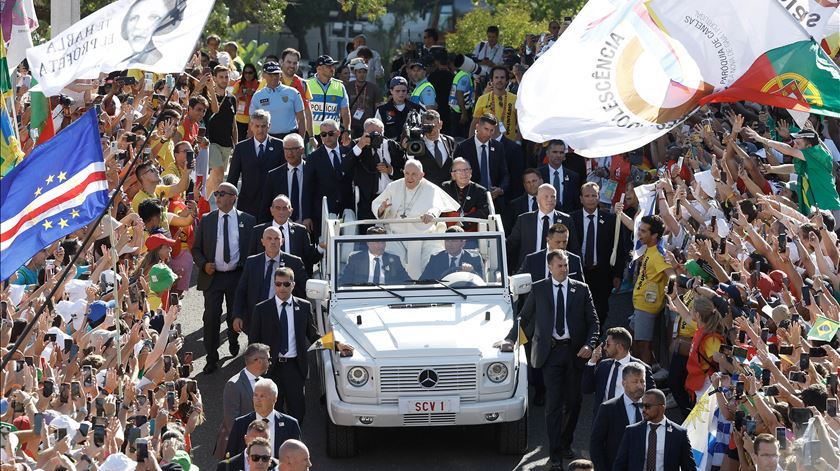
{"x": 219, "y": 252}
{"x": 294, "y": 456}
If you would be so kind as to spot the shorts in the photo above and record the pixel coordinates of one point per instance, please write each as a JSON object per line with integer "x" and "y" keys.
{"x": 643, "y": 325}
{"x": 182, "y": 265}
{"x": 219, "y": 156}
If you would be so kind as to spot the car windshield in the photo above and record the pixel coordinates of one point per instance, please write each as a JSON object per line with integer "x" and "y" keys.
{"x": 457, "y": 260}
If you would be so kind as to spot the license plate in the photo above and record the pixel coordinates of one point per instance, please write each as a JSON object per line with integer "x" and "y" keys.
{"x": 430, "y": 405}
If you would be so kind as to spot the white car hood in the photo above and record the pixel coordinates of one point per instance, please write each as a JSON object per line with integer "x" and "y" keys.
{"x": 447, "y": 330}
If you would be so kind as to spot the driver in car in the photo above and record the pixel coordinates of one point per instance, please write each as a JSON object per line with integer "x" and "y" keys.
{"x": 374, "y": 265}
{"x": 452, "y": 259}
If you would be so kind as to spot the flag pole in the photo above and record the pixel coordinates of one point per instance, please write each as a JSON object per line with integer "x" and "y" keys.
{"x": 117, "y": 303}
{"x": 88, "y": 237}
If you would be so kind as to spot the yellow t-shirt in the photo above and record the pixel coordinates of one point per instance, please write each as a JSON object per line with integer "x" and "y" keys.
{"x": 504, "y": 108}
{"x": 166, "y": 159}
{"x": 649, "y": 287}
{"x": 161, "y": 192}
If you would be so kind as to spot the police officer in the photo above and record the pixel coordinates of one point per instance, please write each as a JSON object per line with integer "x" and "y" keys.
{"x": 424, "y": 92}
{"x": 283, "y": 103}
{"x": 394, "y": 112}
{"x": 329, "y": 98}
{"x": 461, "y": 101}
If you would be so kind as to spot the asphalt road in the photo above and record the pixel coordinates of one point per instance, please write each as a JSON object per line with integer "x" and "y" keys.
{"x": 427, "y": 448}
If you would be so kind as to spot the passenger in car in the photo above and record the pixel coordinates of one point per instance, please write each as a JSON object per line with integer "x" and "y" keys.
{"x": 452, "y": 259}
{"x": 373, "y": 265}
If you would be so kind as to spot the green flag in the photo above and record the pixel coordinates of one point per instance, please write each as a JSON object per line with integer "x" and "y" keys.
{"x": 824, "y": 329}
{"x": 5, "y": 78}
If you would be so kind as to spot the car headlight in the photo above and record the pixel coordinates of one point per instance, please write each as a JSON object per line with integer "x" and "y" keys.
{"x": 358, "y": 376}
{"x": 497, "y": 372}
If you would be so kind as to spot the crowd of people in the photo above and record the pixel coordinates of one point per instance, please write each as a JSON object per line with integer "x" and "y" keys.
{"x": 723, "y": 286}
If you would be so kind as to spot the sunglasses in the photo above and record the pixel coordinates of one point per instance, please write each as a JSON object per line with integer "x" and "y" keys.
{"x": 263, "y": 458}
{"x": 328, "y": 133}
{"x": 284, "y": 284}
{"x": 219, "y": 194}
{"x": 650, "y": 406}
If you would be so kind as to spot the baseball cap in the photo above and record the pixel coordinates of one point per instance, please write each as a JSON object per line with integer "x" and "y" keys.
{"x": 325, "y": 60}
{"x": 271, "y": 67}
{"x": 397, "y": 81}
{"x": 183, "y": 458}
{"x": 155, "y": 241}
{"x": 96, "y": 311}
{"x": 161, "y": 277}
{"x": 360, "y": 66}
{"x": 732, "y": 290}
{"x": 804, "y": 134}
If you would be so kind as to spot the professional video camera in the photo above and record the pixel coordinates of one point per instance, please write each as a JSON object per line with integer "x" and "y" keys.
{"x": 414, "y": 130}
{"x": 465, "y": 63}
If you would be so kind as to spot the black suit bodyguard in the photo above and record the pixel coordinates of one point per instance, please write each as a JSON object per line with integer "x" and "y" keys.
{"x": 219, "y": 252}
{"x": 559, "y": 320}
{"x": 252, "y": 160}
{"x": 373, "y": 166}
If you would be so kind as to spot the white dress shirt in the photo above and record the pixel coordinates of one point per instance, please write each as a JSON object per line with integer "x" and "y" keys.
{"x": 299, "y": 203}
{"x": 257, "y": 146}
{"x": 619, "y": 388}
{"x": 233, "y": 237}
{"x": 430, "y": 145}
{"x": 270, "y": 427}
{"x": 565, "y": 285}
{"x": 251, "y": 378}
{"x": 290, "y": 316}
{"x": 287, "y": 245}
{"x": 660, "y": 445}
{"x": 560, "y": 176}
{"x": 586, "y": 234}
{"x": 631, "y": 409}
{"x": 372, "y": 264}
{"x": 551, "y": 221}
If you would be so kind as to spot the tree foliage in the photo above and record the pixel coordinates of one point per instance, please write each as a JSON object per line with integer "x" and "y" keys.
{"x": 544, "y": 9}
{"x": 513, "y": 18}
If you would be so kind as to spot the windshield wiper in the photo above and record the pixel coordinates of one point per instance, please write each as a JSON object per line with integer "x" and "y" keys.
{"x": 394, "y": 293}
{"x": 440, "y": 282}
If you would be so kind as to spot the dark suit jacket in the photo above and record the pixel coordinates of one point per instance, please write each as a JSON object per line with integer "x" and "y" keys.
{"x": 631, "y": 452}
{"x": 277, "y": 183}
{"x": 237, "y": 400}
{"x": 537, "y": 319}
{"x": 496, "y": 158}
{"x": 523, "y": 236}
{"x": 436, "y": 173}
{"x": 605, "y": 235}
{"x": 358, "y": 269}
{"x": 607, "y": 430}
{"x": 204, "y": 245}
{"x": 265, "y": 328}
{"x": 439, "y": 264}
{"x": 253, "y": 171}
{"x": 474, "y": 203}
{"x": 515, "y": 159}
{"x": 285, "y": 427}
{"x": 571, "y": 188}
{"x": 516, "y": 207}
{"x": 252, "y": 288}
{"x": 300, "y": 244}
{"x": 596, "y": 378}
{"x": 365, "y": 176}
{"x": 535, "y": 262}
{"x": 321, "y": 179}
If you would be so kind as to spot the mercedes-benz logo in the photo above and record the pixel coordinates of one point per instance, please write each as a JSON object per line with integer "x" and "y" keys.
{"x": 427, "y": 378}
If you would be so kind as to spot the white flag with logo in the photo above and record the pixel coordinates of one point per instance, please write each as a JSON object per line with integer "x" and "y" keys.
{"x": 152, "y": 35}
{"x": 19, "y": 21}
{"x": 626, "y": 72}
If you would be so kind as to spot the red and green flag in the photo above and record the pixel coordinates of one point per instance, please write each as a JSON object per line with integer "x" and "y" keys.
{"x": 799, "y": 76}
{"x": 40, "y": 119}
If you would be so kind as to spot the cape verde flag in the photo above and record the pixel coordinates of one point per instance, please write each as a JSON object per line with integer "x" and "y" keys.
{"x": 58, "y": 189}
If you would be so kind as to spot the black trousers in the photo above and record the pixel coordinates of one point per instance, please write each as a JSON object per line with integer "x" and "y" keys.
{"x": 290, "y": 384}
{"x": 562, "y": 375}
{"x": 535, "y": 377}
{"x": 600, "y": 285}
{"x": 677, "y": 374}
{"x": 222, "y": 290}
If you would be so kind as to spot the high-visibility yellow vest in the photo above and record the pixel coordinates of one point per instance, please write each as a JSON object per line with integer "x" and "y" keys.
{"x": 418, "y": 90}
{"x": 453, "y": 92}
{"x": 325, "y": 105}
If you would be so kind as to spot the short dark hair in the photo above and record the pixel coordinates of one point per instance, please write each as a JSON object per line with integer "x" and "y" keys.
{"x": 257, "y": 426}
{"x": 556, "y": 142}
{"x": 454, "y": 229}
{"x": 552, "y": 254}
{"x": 763, "y": 438}
{"x": 260, "y": 441}
{"x": 621, "y": 336}
{"x": 149, "y": 208}
{"x": 141, "y": 167}
{"x": 557, "y": 228}
{"x": 531, "y": 171}
{"x": 815, "y": 395}
{"x": 364, "y": 52}
{"x": 634, "y": 367}
{"x": 657, "y": 393}
{"x": 218, "y": 69}
{"x": 656, "y": 224}
{"x": 500, "y": 67}
{"x": 581, "y": 465}
{"x": 493, "y": 29}
{"x": 488, "y": 118}
{"x": 433, "y": 33}
{"x": 285, "y": 272}
{"x": 213, "y": 37}
{"x": 198, "y": 100}
{"x": 289, "y": 50}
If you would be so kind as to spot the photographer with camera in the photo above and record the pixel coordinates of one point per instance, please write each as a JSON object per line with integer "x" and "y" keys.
{"x": 423, "y": 141}
{"x": 394, "y": 113}
{"x": 375, "y": 162}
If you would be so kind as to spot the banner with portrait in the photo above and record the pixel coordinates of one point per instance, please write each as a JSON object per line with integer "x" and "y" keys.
{"x": 152, "y": 35}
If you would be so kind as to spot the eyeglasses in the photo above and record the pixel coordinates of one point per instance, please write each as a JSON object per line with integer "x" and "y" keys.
{"x": 264, "y": 458}
{"x": 461, "y": 170}
{"x": 284, "y": 284}
{"x": 295, "y": 148}
{"x": 219, "y": 194}
{"x": 650, "y": 406}
{"x": 328, "y": 133}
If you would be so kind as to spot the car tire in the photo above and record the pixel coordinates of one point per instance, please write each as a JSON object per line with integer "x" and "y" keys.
{"x": 341, "y": 441}
{"x": 512, "y": 437}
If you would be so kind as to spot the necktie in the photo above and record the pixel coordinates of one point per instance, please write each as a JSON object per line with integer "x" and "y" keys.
{"x": 226, "y": 239}
{"x": 283, "y": 235}
{"x": 295, "y": 194}
{"x": 269, "y": 277}
{"x": 556, "y": 183}
{"x": 638, "y": 408}
{"x": 560, "y": 320}
{"x": 377, "y": 267}
{"x": 452, "y": 261}
{"x": 485, "y": 168}
{"x": 261, "y": 152}
{"x": 284, "y": 330}
{"x": 265, "y": 421}
{"x": 438, "y": 153}
{"x": 613, "y": 379}
{"x": 589, "y": 255}
{"x": 544, "y": 232}
{"x": 651, "y": 449}
{"x": 336, "y": 162}
{"x": 533, "y": 203}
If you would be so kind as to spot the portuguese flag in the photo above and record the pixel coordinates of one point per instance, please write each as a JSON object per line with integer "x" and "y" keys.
{"x": 798, "y": 76}
{"x": 41, "y": 117}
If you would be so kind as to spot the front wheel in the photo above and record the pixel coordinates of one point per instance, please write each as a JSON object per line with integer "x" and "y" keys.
{"x": 341, "y": 440}
{"x": 512, "y": 437}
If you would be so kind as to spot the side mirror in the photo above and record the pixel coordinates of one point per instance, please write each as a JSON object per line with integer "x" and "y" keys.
{"x": 320, "y": 289}
{"x": 519, "y": 284}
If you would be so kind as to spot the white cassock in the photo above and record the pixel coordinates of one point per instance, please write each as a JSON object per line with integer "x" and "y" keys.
{"x": 426, "y": 197}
